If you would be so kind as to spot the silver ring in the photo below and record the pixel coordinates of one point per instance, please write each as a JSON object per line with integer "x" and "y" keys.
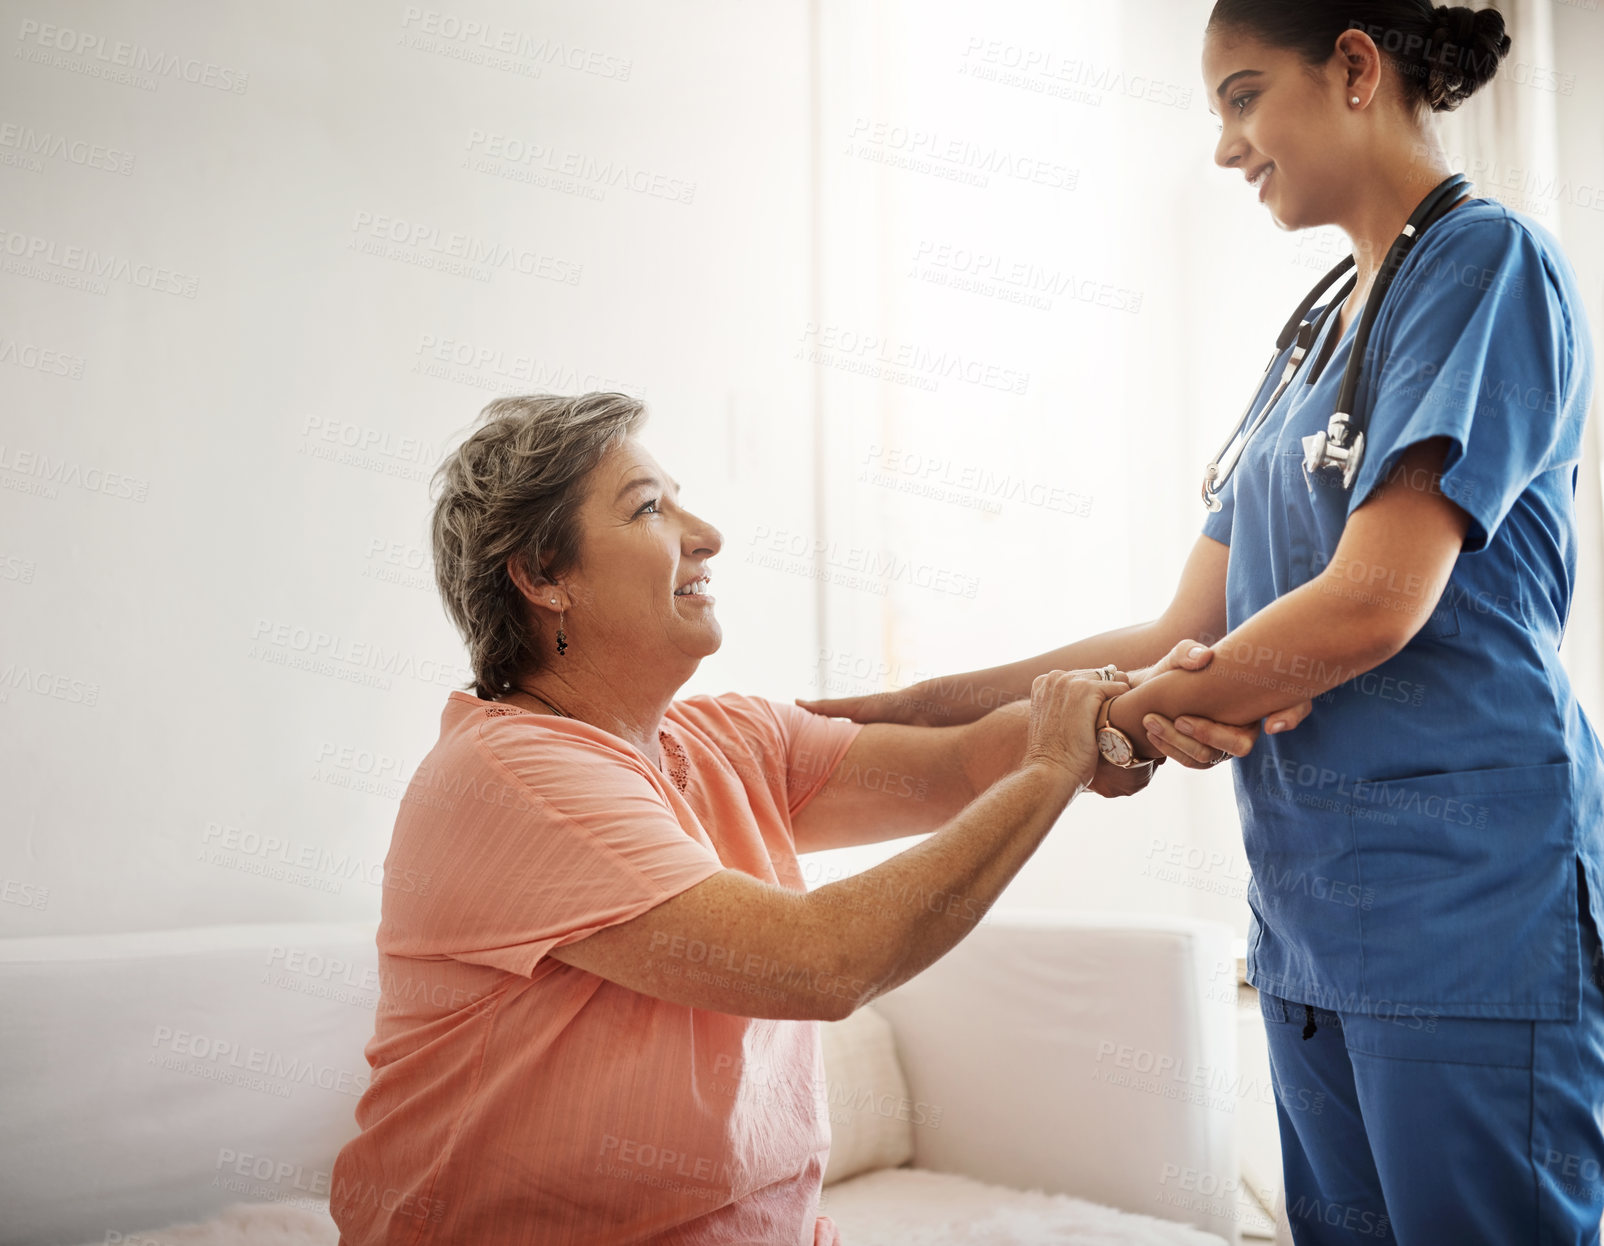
{"x": 1107, "y": 673}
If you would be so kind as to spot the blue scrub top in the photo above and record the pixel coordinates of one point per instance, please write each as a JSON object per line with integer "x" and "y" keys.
{"x": 1414, "y": 843}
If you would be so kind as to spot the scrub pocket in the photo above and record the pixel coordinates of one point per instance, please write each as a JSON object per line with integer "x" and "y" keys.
{"x": 1311, "y": 518}
{"x": 1302, "y": 514}
{"x": 1469, "y": 884}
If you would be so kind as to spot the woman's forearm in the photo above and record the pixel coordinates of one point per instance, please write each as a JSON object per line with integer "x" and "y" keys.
{"x": 1304, "y": 643}
{"x": 896, "y": 919}
{"x": 992, "y": 746}
{"x": 948, "y": 700}
{"x": 1195, "y": 612}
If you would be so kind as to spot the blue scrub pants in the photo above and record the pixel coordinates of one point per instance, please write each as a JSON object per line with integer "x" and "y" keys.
{"x": 1422, "y": 1130}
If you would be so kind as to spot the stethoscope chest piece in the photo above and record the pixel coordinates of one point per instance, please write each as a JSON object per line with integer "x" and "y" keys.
{"x": 1339, "y": 448}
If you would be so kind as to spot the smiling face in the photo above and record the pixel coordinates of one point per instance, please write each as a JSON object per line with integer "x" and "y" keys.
{"x": 1286, "y": 125}
{"x": 638, "y": 598}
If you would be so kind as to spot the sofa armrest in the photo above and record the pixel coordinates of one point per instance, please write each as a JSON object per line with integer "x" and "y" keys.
{"x": 1086, "y": 1054}
{"x": 158, "y": 1076}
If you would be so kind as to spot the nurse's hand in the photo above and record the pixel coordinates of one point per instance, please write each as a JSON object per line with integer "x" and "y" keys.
{"x": 1200, "y": 743}
{"x": 908, "y": 707}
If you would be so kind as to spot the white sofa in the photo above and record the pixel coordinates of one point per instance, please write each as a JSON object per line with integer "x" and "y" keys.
{"x": 1055, "y": 1078}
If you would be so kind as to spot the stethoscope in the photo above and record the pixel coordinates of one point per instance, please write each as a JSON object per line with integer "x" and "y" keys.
{"x": 1341, "y": 446}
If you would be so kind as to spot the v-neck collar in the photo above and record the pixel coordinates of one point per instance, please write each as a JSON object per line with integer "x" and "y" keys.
{"x": 1326, "y": 346}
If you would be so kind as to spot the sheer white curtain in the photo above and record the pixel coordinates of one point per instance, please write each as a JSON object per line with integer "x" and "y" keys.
{"x": 1040, "y": 308}
{"x": 1508, "y": 141}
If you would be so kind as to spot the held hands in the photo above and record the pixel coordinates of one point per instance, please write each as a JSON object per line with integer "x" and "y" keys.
{"x": 1063, "y": 712}
{"x": 1199, "y": 743}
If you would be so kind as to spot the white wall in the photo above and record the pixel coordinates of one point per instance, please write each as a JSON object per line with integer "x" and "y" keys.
{"x": 180, "y": 514}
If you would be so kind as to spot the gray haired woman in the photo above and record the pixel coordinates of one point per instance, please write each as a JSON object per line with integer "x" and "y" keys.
{"x": 599, "y": 1021}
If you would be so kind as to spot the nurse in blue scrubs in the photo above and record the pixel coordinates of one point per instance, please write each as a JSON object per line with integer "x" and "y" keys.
{"x": 1426, "y": 845}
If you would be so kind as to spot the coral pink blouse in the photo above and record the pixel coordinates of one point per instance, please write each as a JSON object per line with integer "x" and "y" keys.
{"x": 519, "y": 1101}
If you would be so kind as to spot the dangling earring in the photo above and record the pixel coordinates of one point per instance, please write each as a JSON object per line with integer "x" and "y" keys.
{"x": 562, "y": 636}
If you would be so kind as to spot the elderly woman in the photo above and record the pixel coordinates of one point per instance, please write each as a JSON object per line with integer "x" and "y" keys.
{"x": 597, "y": 1019}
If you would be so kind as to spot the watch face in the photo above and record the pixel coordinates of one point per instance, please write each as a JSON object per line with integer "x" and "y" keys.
{"x": 1113, "y": 745}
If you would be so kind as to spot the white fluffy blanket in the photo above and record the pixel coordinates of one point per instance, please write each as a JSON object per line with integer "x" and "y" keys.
{"x": 913, "y": 1207}
{"x": 893, "y": 1207}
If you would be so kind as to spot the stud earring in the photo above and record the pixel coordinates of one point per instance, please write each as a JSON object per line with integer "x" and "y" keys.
{"x": 1354, "y": 101}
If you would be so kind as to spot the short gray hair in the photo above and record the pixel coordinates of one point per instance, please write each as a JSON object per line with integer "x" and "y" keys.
{"x": 513, "y": 489}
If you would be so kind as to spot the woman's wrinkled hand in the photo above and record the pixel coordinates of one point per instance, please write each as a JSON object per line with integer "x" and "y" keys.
{"x": 1063, "y": 722}
{"x": 1200, "y": 743}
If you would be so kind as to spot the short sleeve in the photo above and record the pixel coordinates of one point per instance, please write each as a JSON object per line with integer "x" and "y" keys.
{"x": 1479, "y": 349}
{"x": 799, "y": 749}
{"x": 559, "y": 836}
{"x": 814, "y": 747}
{"x": 1218, "y": 523}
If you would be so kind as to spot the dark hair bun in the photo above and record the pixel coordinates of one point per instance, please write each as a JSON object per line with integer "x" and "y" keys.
{"x": 1462, "y": 53}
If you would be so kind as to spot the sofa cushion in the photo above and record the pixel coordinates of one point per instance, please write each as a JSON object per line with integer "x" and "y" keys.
{"x": 871, "y": 1116}
{"x": 916, "y": 1207}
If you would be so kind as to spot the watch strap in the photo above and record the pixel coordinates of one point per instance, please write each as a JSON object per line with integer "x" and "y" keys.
{"x": 1104, "y": 722}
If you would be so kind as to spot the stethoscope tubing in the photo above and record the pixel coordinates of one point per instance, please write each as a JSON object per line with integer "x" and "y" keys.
{"x": 1344, "y": 430}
